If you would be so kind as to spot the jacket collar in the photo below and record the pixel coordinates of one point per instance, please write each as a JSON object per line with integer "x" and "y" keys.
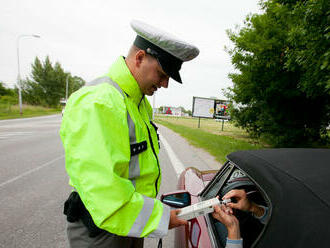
{"x": 120, "y": 73}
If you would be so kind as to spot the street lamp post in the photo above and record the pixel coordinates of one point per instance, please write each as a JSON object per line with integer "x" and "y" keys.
{"x": 67, "y": 88}
{"x": 18, "y": 71}
{"x": 153, "y": 105}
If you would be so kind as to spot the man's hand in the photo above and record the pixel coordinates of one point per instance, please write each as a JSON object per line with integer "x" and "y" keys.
{"x": 174, "y": 220}
{"x": 243, "y": 203}
{"x": 225, "y": 216}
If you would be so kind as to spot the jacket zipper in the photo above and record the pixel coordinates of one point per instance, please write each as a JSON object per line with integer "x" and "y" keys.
{"x": 153, "y": 149}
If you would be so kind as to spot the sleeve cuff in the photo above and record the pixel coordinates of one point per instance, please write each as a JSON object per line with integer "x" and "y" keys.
{"x": 162, "y": 228}
{"x": 234, "y": 243}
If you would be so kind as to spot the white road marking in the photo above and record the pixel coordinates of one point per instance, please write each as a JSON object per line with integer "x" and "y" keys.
{"x": 175, "y": 161}
{"x": 30, "y": 118}
{"x": 30, "y": 171}
{"x": 10, "y": 134}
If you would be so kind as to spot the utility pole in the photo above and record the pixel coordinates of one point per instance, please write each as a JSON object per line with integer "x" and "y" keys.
{"x": 153, "y": 105}
{"x": 18, "y": 71}
{"x": 67, "y": 87}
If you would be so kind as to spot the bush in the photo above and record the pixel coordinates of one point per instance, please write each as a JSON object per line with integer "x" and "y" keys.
{"x": 12, "y": 100}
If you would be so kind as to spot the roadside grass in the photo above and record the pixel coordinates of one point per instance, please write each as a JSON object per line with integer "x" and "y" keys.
{"x": 8, "y": 111}
{"x": 212, "y": 126}
{"x": 217, "y": 144}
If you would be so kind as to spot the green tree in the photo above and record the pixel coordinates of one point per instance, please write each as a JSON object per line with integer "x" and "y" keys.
{"x": 48, "y": 83}
{"x": 8, "y": 96}
{"x": 74, "y": 83}
{"x": 6, "y": 91}
{"x": 3, "y": 90}
{"x": 185, "y": 111}
{"x": 282, "y": 89}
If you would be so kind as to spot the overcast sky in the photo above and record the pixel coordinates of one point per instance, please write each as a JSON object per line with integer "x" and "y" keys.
{"x": 86, "y": 37}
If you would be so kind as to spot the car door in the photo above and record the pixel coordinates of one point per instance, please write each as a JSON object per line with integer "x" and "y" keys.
{"x": 228, "y": 178}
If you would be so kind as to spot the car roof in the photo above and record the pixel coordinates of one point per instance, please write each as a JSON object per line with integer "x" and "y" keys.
{"x": 310, "y": 167}
{"x": 297, "y": 182}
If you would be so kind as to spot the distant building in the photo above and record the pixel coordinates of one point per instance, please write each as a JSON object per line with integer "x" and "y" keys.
{"x": 172, "y": 111}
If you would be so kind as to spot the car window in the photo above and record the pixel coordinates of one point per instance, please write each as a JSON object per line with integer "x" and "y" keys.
{"x": 213, "y": 187}
{"x": 230, "y": 178}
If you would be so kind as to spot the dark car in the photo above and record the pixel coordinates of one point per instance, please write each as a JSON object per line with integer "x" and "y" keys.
{"x": 293, "y": 183}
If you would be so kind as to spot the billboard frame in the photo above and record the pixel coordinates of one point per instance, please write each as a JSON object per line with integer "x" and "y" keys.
{"x": 215, "y": 115}
{"x": 193, "y": 107}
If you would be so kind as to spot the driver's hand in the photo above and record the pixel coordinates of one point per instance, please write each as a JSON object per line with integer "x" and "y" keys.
{"x": 224, "y": 215}
{"x": 243, "y": 203}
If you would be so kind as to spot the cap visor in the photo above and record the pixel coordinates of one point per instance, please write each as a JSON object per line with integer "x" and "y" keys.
{"x": 176, "y": 76}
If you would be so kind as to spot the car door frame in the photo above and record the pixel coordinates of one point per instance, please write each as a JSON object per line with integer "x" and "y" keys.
{"x": 229, "y": 167}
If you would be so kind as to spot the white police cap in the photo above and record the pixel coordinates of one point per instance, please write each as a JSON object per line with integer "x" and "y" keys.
{"x": 169, "y": 51}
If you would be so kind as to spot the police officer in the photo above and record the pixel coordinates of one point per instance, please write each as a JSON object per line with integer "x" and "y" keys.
{"x": 111, "y": 146}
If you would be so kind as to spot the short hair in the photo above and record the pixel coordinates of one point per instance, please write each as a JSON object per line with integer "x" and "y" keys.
{"x": 133, "y": 50}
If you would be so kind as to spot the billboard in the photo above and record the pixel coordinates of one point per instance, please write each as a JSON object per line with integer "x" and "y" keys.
{"x": 203, "y": 107}
{"x": 210, "y": 108}
{"x": 221, "y": 109}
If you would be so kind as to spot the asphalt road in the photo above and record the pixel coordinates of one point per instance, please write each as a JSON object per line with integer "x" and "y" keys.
{"x": 34, "y": 184}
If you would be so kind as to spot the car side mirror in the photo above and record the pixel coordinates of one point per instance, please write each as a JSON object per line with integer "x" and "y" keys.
{"x": 179, "y": 199}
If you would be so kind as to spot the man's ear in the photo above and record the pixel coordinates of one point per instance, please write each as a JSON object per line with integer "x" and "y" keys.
{"x": 139, "y": 57}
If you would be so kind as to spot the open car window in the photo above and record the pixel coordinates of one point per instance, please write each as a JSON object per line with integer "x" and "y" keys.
{"x": 213, "y": 187}
{"x": 231, "y": 177}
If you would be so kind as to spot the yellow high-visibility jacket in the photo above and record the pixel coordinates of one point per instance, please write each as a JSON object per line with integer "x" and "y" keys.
{"x": 111, "y": 155}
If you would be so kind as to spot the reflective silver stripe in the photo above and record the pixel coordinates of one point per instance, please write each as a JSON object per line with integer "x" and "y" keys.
{"x": 143, "y": 217}
{"x": 162, "y": 228}
{"x": 106, "y": 80}
{"x": 134, "y": 165}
